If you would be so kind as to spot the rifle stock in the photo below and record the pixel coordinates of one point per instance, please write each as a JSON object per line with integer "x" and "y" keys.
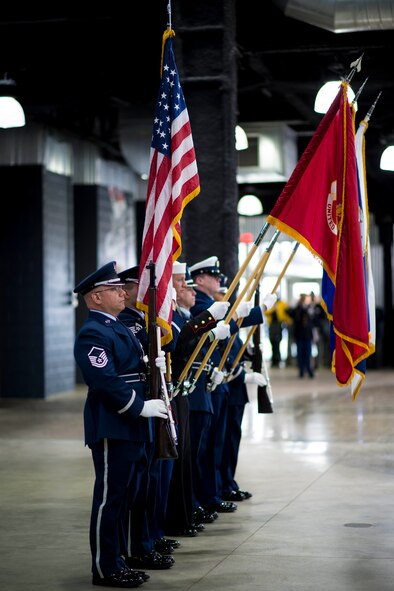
{"x": 165, "y": 434}
{"x": 264, "y": 402}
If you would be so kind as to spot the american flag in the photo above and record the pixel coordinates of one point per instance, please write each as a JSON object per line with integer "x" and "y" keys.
{"x": 173, "y": 183}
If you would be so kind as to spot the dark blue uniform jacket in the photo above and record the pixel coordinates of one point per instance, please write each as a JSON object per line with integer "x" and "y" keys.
{"x": 111, "y": 362}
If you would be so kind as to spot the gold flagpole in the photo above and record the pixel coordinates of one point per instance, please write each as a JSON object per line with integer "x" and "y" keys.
{"x": 253, "y": 328}
{"x": 230, "y": 290}
{"x": 255, "y": 276}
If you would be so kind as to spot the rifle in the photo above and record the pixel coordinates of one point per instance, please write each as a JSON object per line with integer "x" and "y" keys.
{"x": 165, "y": 433}
{"x": 264, "y": 393}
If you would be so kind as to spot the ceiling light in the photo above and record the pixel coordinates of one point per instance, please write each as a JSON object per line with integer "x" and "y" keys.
{"x": 326, "y": 95}
{"x": 249, "y": 205}
{"x": 387, "y": 159}
{"x": 11, "y": 112}
{"x": 241, "y": 139}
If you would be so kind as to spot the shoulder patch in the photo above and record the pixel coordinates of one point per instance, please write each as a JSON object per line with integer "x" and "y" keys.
{"x": 98, "y": 357}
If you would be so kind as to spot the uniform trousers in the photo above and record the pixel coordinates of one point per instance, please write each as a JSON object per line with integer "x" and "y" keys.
{"x": 202, "y": 461}
{"x": 217, "y": 439}
{"x": 180, "y": 504}
{"x": 232, "y": 443}
{"x": 138, "y": 540}
{"x": 158, "y": 497}
{"x": 118, "y": 465}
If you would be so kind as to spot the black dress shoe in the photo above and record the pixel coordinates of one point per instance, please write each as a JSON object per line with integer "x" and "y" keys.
{"x": 166, "y": 545}
{"x": 200, "y": 515}
{"x": 188, "y": 532}
{"x": 198, "y": 526}
{"x": 126, "y": 579}
{"x": 152, "y": 561}
{"x": 246, "y": 494}
{"x": 140, "y": 573}
{"x": 143, "y": 575}
{"x": 163, "y": 548}
{"x": 136, "y": 573}
{"x": 225, "y": 507}
{"x": 233, "y": 495}
{"x": 173, "y": 543}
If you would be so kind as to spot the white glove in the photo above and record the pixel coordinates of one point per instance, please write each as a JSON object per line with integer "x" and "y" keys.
{"x": 221, "y": 331}
{"x": 269, "y": 300}
{"x": 160, "y": 362}
{"x": 255, "y": 378}
{"x": 219, "y": 309}
{"x": 216, "y": 378}
{"x": 154, "y": 408}
{"x": 244, "y": 309}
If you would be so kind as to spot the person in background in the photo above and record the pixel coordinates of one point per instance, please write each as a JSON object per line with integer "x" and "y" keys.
{"x": 318, "y": 330}
{"x": 116, "y": 419}
{"x": 303, "y": 335}
{"x": 277, "y": 319}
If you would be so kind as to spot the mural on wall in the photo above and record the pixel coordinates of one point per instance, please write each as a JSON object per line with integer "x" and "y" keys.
{"x": 120, "y": 241}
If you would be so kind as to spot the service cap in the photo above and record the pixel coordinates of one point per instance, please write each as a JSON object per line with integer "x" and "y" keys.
{"x": 178, "y": 268}
{"x": 189, "y": 279}
{"x": 223, "y": 284}
{"x": 130, "y": 275}
{"x": 209, "y": 266}
{"x": 105, "y": 275}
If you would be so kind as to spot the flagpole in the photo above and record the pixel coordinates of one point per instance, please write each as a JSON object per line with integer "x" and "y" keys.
{"x": 230, "y": 290}
{"x": 292, "y": 254}
{"x": 253, "y": 328}
{"x": 257, "y": 276}
{"x": 372, "y": 108}
{"x": 169, "y": 12}
{"x": 359, "y": 92}
{"x": 262, "y": 264}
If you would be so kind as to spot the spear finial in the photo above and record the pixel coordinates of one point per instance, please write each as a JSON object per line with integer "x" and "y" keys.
{"x": 355, "y": 67}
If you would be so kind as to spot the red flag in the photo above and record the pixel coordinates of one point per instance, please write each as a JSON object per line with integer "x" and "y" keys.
{"x": 307, "y": 207}
{"x": 350, "y": 311}
{"x": 173, "y": 182}
{"x": 319, "y": 208}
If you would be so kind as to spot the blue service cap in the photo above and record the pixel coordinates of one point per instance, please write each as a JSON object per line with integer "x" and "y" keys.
{"x": 130, "y": 275}
{"x": 209, "y": 266}
{"x": 189, "y": 279}
{"x": 106, "y": 275}
{"x": 223, "y": 284}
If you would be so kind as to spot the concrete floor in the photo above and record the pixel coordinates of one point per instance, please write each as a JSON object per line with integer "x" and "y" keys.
{"x": 321, "y": 470}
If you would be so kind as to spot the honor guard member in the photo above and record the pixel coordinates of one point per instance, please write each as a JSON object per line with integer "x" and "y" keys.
{"x": 207, "y": 275}
{"x": 181, "y": 505}
{"x": 115, "y": 418}
{"x": 237, "y": 381}
{"x": 146, "y": 547}
{"x": 131, "y": 315}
